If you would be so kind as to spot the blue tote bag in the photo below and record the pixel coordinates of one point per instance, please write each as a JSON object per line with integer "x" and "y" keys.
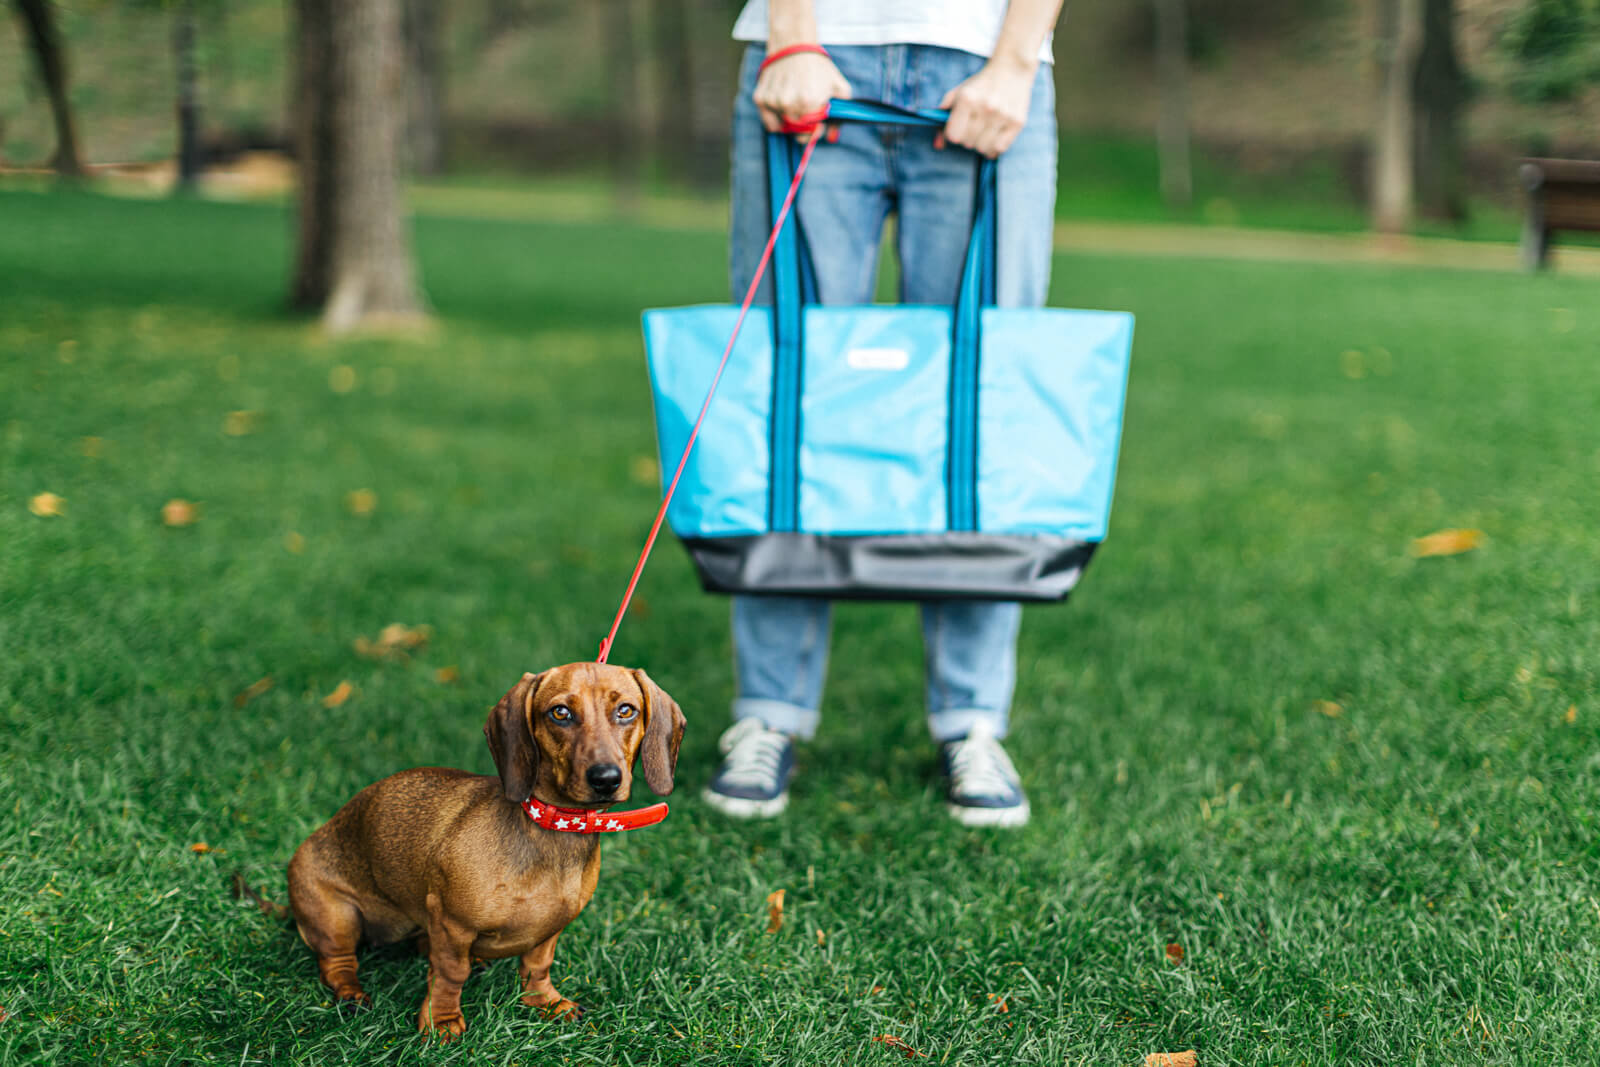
{"x": 891, "y": 452}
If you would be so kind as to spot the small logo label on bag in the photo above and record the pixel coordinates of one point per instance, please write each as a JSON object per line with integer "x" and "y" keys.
{"x": 878, "y": 358}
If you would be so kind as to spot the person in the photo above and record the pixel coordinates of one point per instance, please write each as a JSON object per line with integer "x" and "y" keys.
{"x": 988, "y": 62}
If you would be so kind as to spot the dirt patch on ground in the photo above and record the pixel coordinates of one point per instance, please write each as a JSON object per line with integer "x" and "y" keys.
{"x": 247, "y": 176}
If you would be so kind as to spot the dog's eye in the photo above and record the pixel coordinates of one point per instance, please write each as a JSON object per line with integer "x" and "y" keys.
{"x": 627, "y": 713}
{"x": 560, "y": 713}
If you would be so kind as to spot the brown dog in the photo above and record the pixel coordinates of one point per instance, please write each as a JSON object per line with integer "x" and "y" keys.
{"x": 452, "y": 858}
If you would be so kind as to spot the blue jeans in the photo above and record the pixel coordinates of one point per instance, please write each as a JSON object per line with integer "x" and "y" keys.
{"x": 781, "y": 643}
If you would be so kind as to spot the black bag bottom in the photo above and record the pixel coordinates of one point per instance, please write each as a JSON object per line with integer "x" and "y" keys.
{"x": 943, "y": 566}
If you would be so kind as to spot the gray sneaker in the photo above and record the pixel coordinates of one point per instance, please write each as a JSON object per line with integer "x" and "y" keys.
{"x": 982, "y": 787}
{"x": 753, "y": 781}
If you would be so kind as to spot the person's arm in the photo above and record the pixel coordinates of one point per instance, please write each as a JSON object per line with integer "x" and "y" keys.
{"x": 988, "y": 110}
{"x": 801, "y": 84}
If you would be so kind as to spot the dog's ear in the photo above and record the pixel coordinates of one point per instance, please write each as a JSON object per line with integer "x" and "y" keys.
{"x": 663, "y": 733}
{"x": 511, "y": 743}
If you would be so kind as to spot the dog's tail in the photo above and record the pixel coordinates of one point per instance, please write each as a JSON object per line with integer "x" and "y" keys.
{"x": 271, "y": 908}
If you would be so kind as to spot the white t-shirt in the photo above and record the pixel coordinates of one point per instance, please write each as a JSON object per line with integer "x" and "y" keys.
{"x": 968, "y": 25}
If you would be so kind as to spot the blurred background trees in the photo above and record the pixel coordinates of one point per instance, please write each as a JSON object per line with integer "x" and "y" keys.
{"x": 1413, "y": 108}
{"x": 38, "y": 19}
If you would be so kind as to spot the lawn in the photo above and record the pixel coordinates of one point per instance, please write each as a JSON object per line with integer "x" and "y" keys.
{"x": 1357, "y": 787}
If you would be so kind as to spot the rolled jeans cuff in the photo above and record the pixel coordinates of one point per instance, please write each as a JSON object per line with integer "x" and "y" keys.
{"x": 952, "y": 724}
{"x": 779, "y": 715}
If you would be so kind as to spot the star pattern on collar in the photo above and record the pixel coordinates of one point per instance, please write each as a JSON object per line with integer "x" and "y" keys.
{"x": 584, "y": 821}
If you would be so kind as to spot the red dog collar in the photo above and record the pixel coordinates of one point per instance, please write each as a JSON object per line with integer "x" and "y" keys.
{"x": 582, "y": 821}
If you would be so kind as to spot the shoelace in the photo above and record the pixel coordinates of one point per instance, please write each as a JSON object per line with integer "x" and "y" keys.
{"x": 980, "y": 766}
{"x": 753, "y": 754}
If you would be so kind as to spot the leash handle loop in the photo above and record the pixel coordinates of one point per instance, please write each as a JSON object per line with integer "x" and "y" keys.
{"x": 793, "y": 50}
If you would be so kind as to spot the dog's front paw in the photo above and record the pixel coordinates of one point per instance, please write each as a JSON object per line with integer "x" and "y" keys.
{"x": 554, "y": 1008}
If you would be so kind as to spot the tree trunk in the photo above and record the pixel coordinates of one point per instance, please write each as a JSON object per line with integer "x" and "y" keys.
{"x": 624, "y": 150}
{"x": 424, "y": 86}
{"x": 1441, "y": 91}
{"x": 183, "y": 33}
{"x": 315, "y": 156}
{"x": 1393, "y": 175}
{"x": 502, "y": 17}
{"x": 38, "y": 16}
{"x": 1172, "y": 130}
{"x": 354, "y": 260}
{"x": 707, "y": 95}
{"x": 674, "y": 71}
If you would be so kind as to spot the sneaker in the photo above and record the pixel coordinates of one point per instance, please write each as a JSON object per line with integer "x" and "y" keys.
{"x": 753, "y": 781}
{"x": 982, "y": 787}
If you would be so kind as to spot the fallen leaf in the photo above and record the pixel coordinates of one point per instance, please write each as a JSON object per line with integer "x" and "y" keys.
{"x": 3, "y": 1015}
{"x": 999, "y": 1002}
{"x": 200, "y": 848}
{"x": 48, "y": 505}
{"x": 1170, "y": 1059}
{"x": 822, "y": 939}
{"x": 340, "y": 694}
{"x": 240, "y": 423}
{"x": 1446, "y": 543}
{"x": 179, "y": 512}
{"x": 1571, "y": 716}
{"x": 361, "y": 502}
{"x": 877, "y": 989}
{"x": 393, "y": 641}
{"x": 1328, "y": 708}
{"x": 294, "y": 543}
{"x": 92, "y": 447}
{"x": 644, "y": 471}
{"x": 897, "y": 1043}
{"x": 342, "y": 378}
{"x": 257, "y": 687}
{"x": 447, "y": 675}
{"x": 1174, "y": 952}
{"x": 774, "y": 911}
{"x": 399, "y": 635}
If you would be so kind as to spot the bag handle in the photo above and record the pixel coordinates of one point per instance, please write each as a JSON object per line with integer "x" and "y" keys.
{"x": 794, "y": 287}
{"x": 790, "y": 257}
{"x": 877, "y": 111}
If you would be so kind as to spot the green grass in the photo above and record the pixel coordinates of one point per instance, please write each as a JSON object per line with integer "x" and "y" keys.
{"x": 1412, "y": 881}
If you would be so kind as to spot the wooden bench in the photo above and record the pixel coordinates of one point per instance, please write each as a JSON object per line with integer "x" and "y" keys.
{"x": 1563, "y": 194}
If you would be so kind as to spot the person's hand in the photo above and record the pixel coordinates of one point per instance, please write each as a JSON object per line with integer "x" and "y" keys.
{"x": 796, "y": 86}
{"x": 988, "y": 110}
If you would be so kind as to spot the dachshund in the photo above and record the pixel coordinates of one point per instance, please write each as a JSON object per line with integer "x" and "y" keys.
{"x": 482, "y": 867}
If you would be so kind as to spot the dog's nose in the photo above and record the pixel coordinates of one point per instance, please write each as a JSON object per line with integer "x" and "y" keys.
{"x": 604, "y": 777}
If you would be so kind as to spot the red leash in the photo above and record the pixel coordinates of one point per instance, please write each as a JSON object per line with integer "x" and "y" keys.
{"x": 806, "y": 125}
